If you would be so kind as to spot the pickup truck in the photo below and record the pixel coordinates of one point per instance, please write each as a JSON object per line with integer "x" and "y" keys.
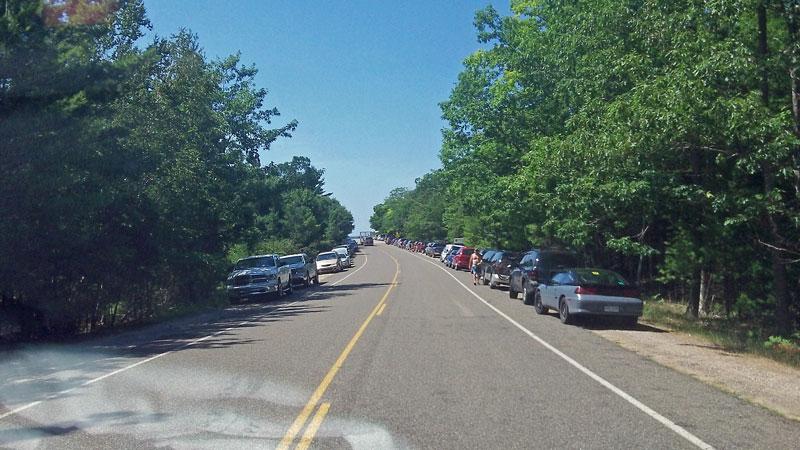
{"x": 304, "y": 270}
{"x": 256, "y": 275}
{"x": 366, "y": 238}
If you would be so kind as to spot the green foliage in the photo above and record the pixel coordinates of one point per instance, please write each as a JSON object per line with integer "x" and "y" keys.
{"x": 130, "y": 177}
{"x": 659, "y": 139}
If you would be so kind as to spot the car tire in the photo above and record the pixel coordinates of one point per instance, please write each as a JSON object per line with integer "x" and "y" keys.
{"x": 290, "y": 289}
{"x": 511, "y": 292}
{"x": 526, "y": 296}
{"x": 563, "y": 313}
{"x": 538, "y": 306}
{"x": 316, "y": 278}
{"x": 307, "y": 281}
{"x": 280, "y": 290}
{"x": 491, "y": 283}
{"x": 483, "y": 279}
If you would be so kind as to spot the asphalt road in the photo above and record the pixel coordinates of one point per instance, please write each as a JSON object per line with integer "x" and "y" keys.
{"x": 396, "y": 352}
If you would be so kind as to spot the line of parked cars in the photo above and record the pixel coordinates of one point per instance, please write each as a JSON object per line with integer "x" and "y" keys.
{"x": 545, "y": 278}
{"x": 272, "y": 274}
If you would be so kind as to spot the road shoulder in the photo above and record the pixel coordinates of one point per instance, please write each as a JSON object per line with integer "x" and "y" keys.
{"x": 756, "y": 379}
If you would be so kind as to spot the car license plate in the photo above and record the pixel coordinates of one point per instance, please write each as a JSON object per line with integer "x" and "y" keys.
{"x": 611, "y": 308}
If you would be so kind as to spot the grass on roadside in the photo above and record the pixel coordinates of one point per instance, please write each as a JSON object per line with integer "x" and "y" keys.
{"x": 732, "y": 335}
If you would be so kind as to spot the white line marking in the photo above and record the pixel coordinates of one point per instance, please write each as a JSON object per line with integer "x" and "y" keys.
{"x": 366, "y": 260}
{"x": 627, "y": 397}
{"x": 181, "y": 347}
{"x": 21, "y": 408}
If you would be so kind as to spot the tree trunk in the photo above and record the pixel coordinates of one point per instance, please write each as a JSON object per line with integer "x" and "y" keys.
{"x": 727, "y": 289}
{"x": 693, "y": 306}
{"x": 706, "y": 279}
{"x": 780, "y": 286}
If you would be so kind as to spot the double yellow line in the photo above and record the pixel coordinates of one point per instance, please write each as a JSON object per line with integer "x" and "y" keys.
{"x": 301, "y": 419}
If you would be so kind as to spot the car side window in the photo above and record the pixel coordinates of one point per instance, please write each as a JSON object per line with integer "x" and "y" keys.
{"x": 561, "y": 278}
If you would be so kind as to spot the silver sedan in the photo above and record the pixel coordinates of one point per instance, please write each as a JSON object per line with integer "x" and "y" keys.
{"x": 595, "y": 292}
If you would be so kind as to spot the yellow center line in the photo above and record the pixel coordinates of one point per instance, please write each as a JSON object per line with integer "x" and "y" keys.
{"x": 298, "y": 423}
{"x": 313, "y": 426}
{"x": 380, "y": 311}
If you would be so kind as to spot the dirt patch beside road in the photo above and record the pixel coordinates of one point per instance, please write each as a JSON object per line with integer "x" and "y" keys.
{"x": 760, "y": 380}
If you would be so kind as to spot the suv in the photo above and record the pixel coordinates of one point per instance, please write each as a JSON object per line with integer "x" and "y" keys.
{"x": 486, "y": 258}
{"x": 304, "y": 270}
{"x": 538, "y": 266}
{"x": 498, "y": 270}
{"x": 461, "y": 259}
{"x": 256, "y": 275}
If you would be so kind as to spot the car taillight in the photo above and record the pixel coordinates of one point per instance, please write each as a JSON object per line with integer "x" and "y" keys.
{"x": 586, "y": 290}
{"x": 534, "y": 275}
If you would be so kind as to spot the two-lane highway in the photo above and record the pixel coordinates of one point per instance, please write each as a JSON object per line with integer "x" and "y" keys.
{"x": 396, "y": 352}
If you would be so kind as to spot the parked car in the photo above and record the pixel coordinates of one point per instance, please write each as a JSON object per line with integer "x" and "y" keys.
{"x": 498, "y": 271}
{"x": 436, "y": 250}
{"x": 448, "y": 260}
{"x": 584, "y": 292}
{"x": 304, "y": 270}
{"x": 486, "y": 258}
{"x": 346, "y": 248}
{"x": 256, "y": 275}
{"x": 461, "y": 258}
{"x": 446, "y": 251}
{"x": 328, "y": 262}
{"x": 344, "y": 257}
{"x": 538, "y": 266}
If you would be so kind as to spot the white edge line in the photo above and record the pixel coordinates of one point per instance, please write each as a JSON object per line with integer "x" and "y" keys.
{"x": 181, "y": 347}
{"x": 624, "y": 395}
{"x": 21, "y": 408}
{"x": 123, "y": 369}
{"x": 366, "y": 260}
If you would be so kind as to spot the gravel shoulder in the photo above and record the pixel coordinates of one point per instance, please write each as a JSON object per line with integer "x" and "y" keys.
{"x": 756, "y": 379}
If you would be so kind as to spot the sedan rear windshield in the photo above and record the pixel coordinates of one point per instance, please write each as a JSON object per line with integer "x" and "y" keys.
{"x": 324, "y": 256}
{"x": 599, "y": 277}
{"x": 250, "y": 263}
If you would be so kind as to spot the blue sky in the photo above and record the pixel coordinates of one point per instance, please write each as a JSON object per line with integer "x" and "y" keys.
{"x": 362, "y": 78}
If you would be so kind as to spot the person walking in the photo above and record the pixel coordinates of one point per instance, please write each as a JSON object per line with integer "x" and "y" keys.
{"x": 474, "y": 260}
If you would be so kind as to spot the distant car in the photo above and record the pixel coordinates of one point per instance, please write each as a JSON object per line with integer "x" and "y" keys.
{"x": 256, "y": 275}
{"x": 461, "y": 258}
{"x": 448, "y": 260}
{"x": 538, "y": 266}
{"x": 328, "y": 262}
{"x": 436, "y": 250}
{"x": 304, "y": 270}
{"x": 346, "y": 248}
{"x": 447, "y": 249}
{"x": 498, "y": 271}
{"x": 585, "y": 292}
{"x": 344, "y": 257}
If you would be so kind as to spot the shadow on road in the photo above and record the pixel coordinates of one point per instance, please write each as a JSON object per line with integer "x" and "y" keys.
{"x": 38, "y": 371}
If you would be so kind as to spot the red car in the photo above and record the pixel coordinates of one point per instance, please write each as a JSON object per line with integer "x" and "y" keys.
{"x": 461, "y": 259}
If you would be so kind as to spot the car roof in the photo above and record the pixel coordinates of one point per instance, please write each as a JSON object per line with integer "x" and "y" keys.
{"x": 257, "y": 256}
